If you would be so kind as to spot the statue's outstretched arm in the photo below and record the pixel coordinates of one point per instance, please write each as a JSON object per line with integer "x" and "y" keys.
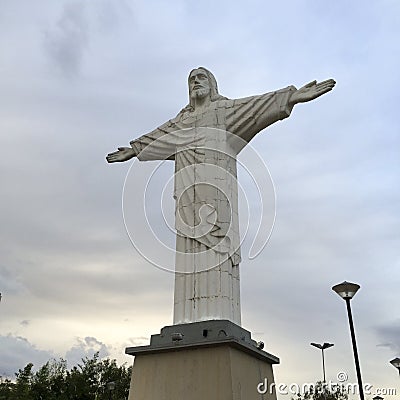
{"x": 122, "y": 154}
{"x": 311, "y": 91}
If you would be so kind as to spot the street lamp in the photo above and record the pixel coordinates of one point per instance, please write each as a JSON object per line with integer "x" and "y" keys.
{"x": 110, "y": 387}
{"x": 396, "y": 363}
{"x": 346, "y": 291}
{"x": 322, "y": 347}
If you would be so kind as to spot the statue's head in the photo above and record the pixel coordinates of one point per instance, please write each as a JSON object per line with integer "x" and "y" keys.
{"x": 202, "y": 83}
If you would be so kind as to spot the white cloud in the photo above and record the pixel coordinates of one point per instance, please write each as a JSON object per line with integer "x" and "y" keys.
{"x": 67, "y": 40}
{"x": 85, "y": 348}
{"x": 389, "y": 334}
{"x": 17, "y": 352}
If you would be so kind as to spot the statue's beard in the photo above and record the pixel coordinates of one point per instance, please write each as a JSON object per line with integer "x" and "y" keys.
{"x": 200, "y": 93}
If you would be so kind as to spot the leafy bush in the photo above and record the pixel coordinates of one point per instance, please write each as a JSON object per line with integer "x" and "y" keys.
{"x": 53, "y": 381}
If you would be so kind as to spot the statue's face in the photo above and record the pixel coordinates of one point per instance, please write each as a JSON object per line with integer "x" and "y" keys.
{"x": 199, "y": 85}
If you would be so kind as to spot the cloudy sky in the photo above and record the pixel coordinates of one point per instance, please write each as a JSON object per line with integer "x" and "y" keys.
{"x": 80, "y": 78}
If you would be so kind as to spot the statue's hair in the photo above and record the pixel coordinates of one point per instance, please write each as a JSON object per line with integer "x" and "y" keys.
{"x": 214, "y": 95}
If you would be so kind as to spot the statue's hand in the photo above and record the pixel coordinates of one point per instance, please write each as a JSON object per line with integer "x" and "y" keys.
{"x": 311, "y": 91}
{"x": 123, "y": 154}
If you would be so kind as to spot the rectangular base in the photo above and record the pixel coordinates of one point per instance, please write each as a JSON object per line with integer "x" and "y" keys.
{"x": 213, "y": 360}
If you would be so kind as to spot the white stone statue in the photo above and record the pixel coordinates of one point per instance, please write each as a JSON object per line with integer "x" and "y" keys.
{"x": 204, "y": 140}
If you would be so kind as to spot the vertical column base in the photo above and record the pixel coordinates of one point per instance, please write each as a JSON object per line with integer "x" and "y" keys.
{"x": 213, "y": 360}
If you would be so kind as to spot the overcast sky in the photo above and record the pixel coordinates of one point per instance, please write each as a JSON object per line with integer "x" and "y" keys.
{"x": 80, "y": 78}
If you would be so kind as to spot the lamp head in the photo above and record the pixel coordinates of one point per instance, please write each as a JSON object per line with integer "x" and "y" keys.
{"x": 322, "y": 346}
{"x": 317, "y": 345}
{"x": 396, "y": 363}
{"x": 346, "y": 290}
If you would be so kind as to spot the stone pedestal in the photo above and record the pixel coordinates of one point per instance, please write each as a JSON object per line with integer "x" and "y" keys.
{"x": 209, "y": 360}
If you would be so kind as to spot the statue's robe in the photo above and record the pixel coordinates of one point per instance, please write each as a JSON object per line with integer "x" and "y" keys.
{"x": 204, "y": 147}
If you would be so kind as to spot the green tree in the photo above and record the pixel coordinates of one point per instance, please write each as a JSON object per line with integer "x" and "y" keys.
{"x": 6, "y": 388}
{"x": 49, "y": 381}
{"x": 53, "y": 381}
{"x": 323, "y": 391}
{"x": 23, "y": 383}
{"x": 88, "y": 381}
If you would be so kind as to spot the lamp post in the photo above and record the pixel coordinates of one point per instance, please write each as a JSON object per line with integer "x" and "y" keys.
{"x": 346, "y": 291}
{"x": 110, "y": 387}
{"x": 396, "y": 363}
{"x": 322, "y": 347}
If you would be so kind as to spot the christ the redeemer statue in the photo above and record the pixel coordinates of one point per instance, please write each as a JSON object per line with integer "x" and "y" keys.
{"x": 204, "y": 140}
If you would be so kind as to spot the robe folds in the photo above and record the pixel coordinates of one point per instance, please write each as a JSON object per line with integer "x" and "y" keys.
{"x": 204, "y": 147}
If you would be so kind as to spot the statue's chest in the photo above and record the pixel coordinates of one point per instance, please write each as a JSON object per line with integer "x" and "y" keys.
{"x": 213, "y": 117}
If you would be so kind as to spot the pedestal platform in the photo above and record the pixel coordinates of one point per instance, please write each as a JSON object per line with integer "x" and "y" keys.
{"x": 208, "y": 360}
